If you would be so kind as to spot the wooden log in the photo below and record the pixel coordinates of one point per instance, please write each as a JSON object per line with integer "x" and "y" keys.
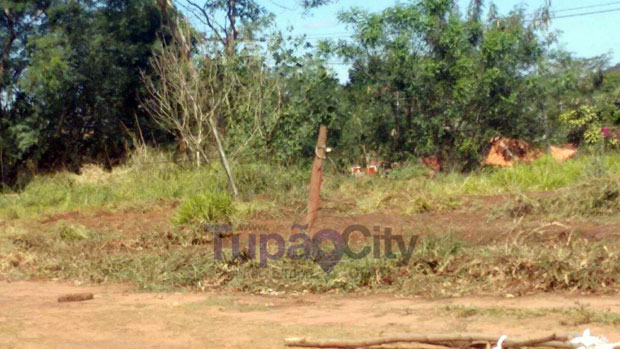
{"x": 316, "y": 178}
{"x": 554, "y": 341}
{"x": 76, "y": 297}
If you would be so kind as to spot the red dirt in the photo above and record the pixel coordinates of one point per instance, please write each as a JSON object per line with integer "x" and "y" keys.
{"x": 30, "y": 316}
{"x": 475, "y": 222}
{"x": 505, "y": 151}
{"x": 563, "y": 153}
{"x": 129, "y": 221}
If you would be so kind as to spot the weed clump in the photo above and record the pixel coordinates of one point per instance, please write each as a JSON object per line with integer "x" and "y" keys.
{"x": 441, "y": 265}
{"x": 595, "y": 197}
{"x": 208, "y": 207}
{"x": 70, "y": 232}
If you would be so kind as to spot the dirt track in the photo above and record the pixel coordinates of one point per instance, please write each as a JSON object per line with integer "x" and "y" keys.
{"x": 30, "y": 316}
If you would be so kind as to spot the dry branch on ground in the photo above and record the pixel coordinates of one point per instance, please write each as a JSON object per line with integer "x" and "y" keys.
{"x": 446, "y": 340}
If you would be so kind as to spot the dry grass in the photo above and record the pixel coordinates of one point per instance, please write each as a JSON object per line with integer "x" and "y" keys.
{"x": 597, "y": 196}
{"x": 573, "y": 316}
{"x": 440, "y": 266}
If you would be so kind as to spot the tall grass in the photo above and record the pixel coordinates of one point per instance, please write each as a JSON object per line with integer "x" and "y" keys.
{"x": 152, "y": 176}
{"x": 420, "y": 193}
{"x": 145, "y": 179}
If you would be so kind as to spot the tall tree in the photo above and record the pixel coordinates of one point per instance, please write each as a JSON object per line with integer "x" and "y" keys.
{"x": 429, "y": 80}
{"x": 75, "y": 76}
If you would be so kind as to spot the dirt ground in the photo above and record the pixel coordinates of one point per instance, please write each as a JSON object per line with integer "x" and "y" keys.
{"x": 30, "y": 316}
{"x": 475, "y": 221}
{"x": 118, "y": 316}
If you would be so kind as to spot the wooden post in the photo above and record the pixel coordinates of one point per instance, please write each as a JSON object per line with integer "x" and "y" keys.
{"x": 316, "y": 178}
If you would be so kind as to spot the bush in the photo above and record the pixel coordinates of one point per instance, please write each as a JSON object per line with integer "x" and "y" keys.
{"x": 70, "y": 232}
{"x": 209, "y": 207}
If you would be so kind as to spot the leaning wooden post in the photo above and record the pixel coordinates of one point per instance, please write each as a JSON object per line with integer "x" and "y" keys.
{"x": 316, "y": 177}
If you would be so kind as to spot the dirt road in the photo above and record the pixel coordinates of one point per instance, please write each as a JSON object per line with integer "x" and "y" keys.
{"x": 30, "y": 316}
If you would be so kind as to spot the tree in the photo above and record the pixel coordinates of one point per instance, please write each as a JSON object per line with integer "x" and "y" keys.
{"x": 72, "y": 93}
{"x": 427, "y": 80}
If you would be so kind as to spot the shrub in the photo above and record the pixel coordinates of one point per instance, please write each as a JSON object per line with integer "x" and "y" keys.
{"x": 70, "y": 232}
{"x": 208, "y": 207}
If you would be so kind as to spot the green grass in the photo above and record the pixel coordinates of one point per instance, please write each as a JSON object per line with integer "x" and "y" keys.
{"x": 592, "y": 197}
{"x": 273, "y": 190}
{"x": 182, "y": 257}
{"x": 147, "y": 179}
{"x": 208, "y": 207}
{"x": 409, "y": 194}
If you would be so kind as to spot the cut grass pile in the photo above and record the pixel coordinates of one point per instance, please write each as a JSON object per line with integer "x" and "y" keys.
{"x": 440, "y": 265}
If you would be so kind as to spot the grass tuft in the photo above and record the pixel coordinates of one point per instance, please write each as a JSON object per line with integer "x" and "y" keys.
{"x": 72, "y": 232}
{"x": 208, "y": 207}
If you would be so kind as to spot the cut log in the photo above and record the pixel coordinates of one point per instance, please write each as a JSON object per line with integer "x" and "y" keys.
{"x": 76, "y": 297}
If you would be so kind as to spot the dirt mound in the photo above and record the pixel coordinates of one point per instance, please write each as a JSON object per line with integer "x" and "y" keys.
{"x": 505, "y": 152}
{"x": 563, "y": 153}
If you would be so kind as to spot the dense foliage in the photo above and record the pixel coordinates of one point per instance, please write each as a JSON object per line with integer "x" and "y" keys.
{"x": 77, "y": 80}
{"x": 428, "y": 80}
{"x": 71, "y": 89}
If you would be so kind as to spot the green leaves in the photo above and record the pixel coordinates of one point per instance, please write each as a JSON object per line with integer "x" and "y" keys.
{"x": 440, "y": 83}
{"x": 74, "y": 74}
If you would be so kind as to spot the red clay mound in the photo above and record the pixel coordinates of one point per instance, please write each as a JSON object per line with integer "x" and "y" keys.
{"x": 563, "y": 153}
{"x": 505, "y": 151}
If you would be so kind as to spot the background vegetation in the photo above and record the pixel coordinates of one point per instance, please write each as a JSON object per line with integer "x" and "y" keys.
{"x": 83, "y": 81}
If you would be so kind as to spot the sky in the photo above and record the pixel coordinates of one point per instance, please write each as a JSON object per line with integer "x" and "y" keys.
{"x": 585, "y": 36}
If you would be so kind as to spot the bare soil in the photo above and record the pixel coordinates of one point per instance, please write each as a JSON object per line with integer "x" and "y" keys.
{"x": 31, "y": 316}
{"x": 476, "y": 221}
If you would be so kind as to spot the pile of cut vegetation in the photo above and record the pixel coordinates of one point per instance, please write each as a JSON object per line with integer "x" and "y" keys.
{"x": 593, "y": 197}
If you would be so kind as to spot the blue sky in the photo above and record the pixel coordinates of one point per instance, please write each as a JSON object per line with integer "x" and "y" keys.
{"x": 585, "y": 36}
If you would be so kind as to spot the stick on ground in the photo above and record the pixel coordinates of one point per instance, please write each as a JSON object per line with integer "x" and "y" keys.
{"x": 439, "y": 339}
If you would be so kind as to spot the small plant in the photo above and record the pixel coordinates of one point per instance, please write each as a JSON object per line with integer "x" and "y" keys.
{"x": 584, "y": 124}
{"x": 209, "y": 207}
{"x": 71, "y": 232}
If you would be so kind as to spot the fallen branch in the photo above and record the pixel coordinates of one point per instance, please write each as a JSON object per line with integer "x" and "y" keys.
{"x": 76, "y": 297}
{"x": 551, "y": 341}
{"x": 535, "y": 341}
